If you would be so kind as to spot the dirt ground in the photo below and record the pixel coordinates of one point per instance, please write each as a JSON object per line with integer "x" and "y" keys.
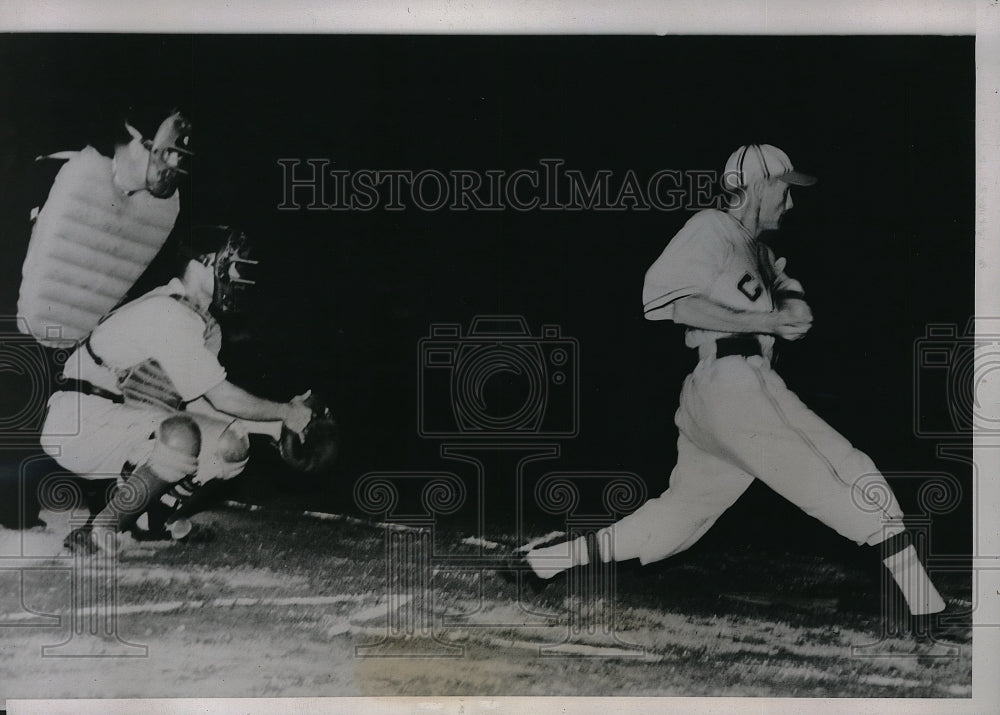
{"x": 281, "y": 605}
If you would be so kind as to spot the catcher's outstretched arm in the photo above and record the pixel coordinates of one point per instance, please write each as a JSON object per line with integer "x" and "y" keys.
{"x": 227, "y": 397}
{"x": 269, "y": 428}
{"x": 313, "y": 450}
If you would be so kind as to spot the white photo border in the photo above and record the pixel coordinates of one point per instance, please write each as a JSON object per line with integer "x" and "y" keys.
{"x": 774, "y": 17}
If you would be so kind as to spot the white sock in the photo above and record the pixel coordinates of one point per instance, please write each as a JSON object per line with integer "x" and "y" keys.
{"x": 913, "y": 581}
{"x": 606, "y": 543}
{"x": 553, "y": 560}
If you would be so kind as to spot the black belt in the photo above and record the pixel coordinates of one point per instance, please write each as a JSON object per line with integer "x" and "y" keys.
{"x": 71, "y": 384}
{"x": 744, "y": 345}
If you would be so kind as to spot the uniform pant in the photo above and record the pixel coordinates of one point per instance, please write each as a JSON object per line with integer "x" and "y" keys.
{"x": 738, "y": 421}
{"x": 95, "y": 437}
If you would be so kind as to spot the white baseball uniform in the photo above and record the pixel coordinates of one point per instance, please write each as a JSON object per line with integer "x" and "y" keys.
{"x": 737, "y": 419}
{"x": 94, "y": 436}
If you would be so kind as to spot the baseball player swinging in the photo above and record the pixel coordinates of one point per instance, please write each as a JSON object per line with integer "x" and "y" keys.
{"x": 737, "y": 419}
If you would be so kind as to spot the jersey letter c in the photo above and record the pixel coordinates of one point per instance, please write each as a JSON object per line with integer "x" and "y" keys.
{"x": 742, "y": 285}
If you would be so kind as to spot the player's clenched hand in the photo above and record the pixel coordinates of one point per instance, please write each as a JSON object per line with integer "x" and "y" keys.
{"x": 798, "y": 308}
{"x": 298, "y": 414}
{"x": 793, "y": 320}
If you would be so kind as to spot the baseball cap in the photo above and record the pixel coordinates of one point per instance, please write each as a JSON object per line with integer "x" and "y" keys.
{"x": 752, "y": 162}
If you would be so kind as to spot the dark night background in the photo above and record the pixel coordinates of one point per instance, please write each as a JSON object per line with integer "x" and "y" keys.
{"x": 883, "y": 244}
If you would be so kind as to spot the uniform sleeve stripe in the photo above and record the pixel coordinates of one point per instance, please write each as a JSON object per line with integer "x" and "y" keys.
{"x": 664, "y": 300}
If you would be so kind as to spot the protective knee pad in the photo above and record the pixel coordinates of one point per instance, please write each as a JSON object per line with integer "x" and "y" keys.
{"x": 232, "y": 451}
{"x": 175, "y": 454}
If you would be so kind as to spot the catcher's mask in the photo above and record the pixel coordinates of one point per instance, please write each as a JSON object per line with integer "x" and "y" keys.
{"x": 169, "y": 154}
{"x": 233, "y": 270}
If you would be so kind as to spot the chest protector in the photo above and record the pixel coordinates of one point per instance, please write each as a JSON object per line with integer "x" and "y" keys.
{"x": 147, "y": 383}
{"x": 89, "y": 245}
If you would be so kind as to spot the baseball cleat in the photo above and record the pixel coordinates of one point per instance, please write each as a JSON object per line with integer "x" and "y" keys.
{"x": 197, "y": 534}
{"x": 516, "y": 564}
{"x": 80, "y": 541}
{"x": 181, "y": 530}
{"x": 185, "y": 531}
{"x": 88, "y": 540}
{"x": 150, "y": 534}
{"x": 514, "y": 568}
{"x": 952, "y": 625}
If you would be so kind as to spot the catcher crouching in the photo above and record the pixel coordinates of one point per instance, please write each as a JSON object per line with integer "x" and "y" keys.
{"x": 148, "y": 407}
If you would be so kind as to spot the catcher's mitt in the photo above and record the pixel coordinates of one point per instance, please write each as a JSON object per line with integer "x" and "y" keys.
{"x": 318, "y": 451}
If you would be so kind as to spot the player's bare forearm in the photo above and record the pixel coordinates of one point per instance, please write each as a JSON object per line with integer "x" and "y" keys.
{"x": 227, "y": 397}
{"x": 698, "y": 312}
{"x": 789, "y": 322}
